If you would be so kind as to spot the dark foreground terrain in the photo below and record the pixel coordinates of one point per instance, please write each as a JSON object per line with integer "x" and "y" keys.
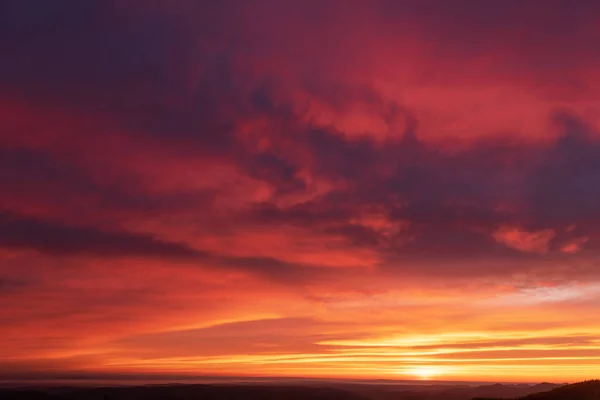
{"x": 589, "y": 390}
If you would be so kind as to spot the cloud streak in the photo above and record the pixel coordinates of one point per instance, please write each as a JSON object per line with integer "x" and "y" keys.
{"x": 17, "y": 232}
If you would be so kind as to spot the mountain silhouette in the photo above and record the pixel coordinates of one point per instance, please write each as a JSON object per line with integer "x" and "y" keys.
{"x": 187, "y": 392}
{"x": 587, "y": 390}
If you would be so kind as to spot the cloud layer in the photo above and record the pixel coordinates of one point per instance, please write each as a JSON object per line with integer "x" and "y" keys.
{"x": 296, "y": 185}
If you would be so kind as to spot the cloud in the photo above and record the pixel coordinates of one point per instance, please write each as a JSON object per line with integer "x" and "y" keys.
{"x": 564, "y": 185}
{"x": 8, "y": 284}
{"x": 83, "y": 58}
{"x": 295, "y": 161}
{"x": 575, "y": 245}
{"x": 537, "y": 242}
{"x": 20, "y": 232}
{"x": 235, "y": 337}
{"x": 449, "y": 202}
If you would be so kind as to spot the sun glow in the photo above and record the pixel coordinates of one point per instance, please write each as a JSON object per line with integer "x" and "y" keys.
{"x": 425, "y": 372}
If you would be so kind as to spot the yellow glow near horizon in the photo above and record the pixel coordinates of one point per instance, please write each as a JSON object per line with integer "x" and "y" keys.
{"x": 425, "y": 372}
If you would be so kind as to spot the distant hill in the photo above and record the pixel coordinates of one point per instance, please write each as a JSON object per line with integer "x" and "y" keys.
{"x": 187, "y": 392}
{"x": 500, "y": 391}
{"x": 448, "y": 391}
{"x": 588, "y": 390}
{"x": 325, "y": 391}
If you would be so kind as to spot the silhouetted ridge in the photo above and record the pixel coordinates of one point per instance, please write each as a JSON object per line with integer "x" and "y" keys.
{"x": 587, "y": 390}
{"x": 189, "y": 392}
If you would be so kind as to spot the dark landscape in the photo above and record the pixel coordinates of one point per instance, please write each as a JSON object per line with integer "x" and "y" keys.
{"x": 589, "y": 390}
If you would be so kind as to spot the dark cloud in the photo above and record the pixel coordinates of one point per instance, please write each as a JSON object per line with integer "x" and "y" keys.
{"x": 29, "y": 174}
{"x": 277, "y": 171}
{"x": 88, "y": 50}
{"x": 472, "y": 28}
{"x": 150, "y": 71}
{"x": 452, "y": 199}
{"x": 25, "y": 169}
{"x": 56, "y": 239}
{"x": 20, "y": 232}
{"x": 565, "y": 189}
{"x": 132, "y": 66}
{"x": 8, "y": 285}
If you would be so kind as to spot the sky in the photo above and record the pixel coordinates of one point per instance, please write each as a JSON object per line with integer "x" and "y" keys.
{"x": 395, "y": 189}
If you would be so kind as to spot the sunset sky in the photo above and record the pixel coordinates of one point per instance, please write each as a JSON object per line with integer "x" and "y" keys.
{"x": 395, "y": 189}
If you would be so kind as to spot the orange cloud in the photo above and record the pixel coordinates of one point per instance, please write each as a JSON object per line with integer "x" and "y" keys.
{"x": 574, "y": 246}
{"x": 536, "y": 242}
